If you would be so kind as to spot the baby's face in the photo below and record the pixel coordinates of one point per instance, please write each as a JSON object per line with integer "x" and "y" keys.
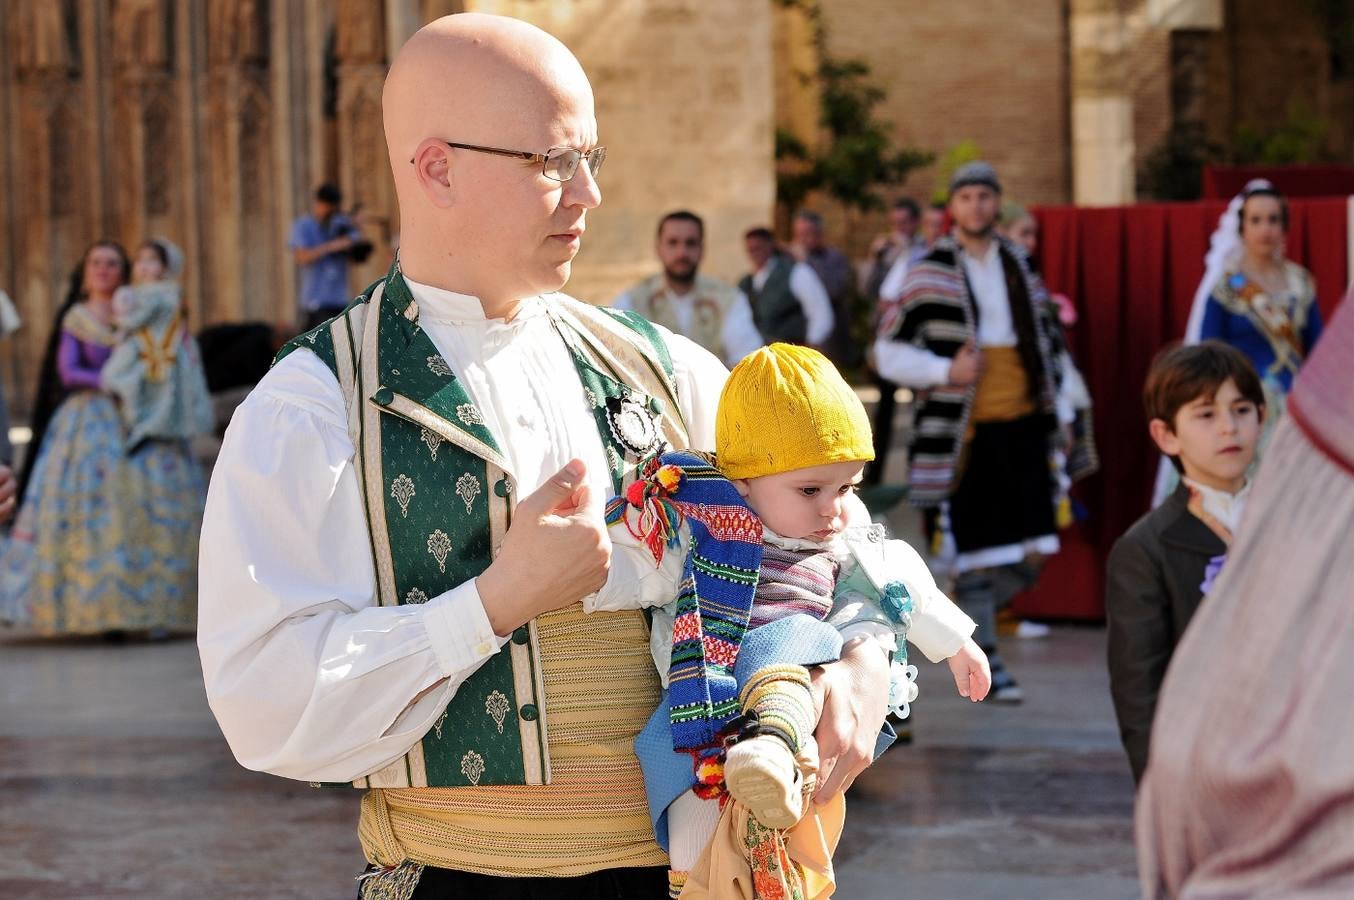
{"x": 147, "y": 267}
{"x": 803, "y": 503}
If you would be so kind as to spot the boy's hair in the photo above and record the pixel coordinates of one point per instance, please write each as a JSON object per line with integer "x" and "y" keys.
{"x": 1182, "y": 374}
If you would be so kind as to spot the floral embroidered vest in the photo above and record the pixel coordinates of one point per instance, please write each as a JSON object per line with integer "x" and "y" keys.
{"x": 439, "y": 498}
{"x": 712, "y": 301}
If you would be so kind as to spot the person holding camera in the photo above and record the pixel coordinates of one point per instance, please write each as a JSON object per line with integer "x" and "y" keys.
{"x": 323, "y": 243}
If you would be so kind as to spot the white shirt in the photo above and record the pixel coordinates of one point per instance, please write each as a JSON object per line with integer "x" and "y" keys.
{"x": 738, "y": 333}
{"x": 1226, "y": 508}
{"x": 306, "y": 676}
{"x": 987, "y": 283}
{"x": 808, "y": 289}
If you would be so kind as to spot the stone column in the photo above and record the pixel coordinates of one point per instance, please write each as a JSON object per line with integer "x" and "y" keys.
{"x": 1102, "y": 105}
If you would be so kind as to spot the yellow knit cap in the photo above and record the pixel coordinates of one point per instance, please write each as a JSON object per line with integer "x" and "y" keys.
{"x": 787, "y": 407}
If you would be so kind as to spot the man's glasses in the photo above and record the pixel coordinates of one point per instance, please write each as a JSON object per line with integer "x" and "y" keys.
{"x": 557, "y": 163}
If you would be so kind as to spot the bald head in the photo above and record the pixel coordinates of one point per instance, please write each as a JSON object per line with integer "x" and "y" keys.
{"x": 495, "y": 82}
{"x": 467, "y": 77}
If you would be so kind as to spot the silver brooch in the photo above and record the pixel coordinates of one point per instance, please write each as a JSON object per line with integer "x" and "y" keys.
{"x": 632, "y": 424}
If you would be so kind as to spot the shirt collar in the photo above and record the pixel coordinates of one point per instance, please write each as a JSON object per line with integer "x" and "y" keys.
{"x": 1221, "y": 505}
{"x": 463, "y": 309}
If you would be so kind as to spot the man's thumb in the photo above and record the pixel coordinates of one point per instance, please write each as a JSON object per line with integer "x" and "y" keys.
{"x": 557, "y": 491}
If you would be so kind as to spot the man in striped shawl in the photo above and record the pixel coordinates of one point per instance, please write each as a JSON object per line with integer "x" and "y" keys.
{"x": 970, "y": 334}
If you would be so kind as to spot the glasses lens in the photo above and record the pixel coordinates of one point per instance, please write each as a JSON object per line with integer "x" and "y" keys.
{"x": 561, "y": 163}
{"x": 595, "y": 160}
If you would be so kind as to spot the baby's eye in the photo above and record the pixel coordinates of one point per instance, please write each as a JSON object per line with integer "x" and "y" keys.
{"x": 847, "y": 489}
{"x": 809, "y": 491}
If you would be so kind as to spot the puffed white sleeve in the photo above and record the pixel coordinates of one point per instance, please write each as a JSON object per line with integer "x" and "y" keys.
{"x": 307, "y": 676}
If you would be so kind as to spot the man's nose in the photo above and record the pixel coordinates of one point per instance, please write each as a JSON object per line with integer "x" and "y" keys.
{"x": 583, "y": 190}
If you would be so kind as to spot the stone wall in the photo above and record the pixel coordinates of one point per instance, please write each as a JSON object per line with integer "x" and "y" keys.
{"x": 685, "y": 107}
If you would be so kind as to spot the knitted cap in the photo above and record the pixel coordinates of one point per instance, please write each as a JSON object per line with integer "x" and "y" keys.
{"x": 976, "y": 172}
{"x": 787, "y": 407}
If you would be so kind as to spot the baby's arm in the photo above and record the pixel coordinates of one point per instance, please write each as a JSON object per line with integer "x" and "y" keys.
{"x": 635, "y": 580}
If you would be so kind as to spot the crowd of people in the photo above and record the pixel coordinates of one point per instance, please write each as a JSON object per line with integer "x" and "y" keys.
{"x": 452, "y": 510}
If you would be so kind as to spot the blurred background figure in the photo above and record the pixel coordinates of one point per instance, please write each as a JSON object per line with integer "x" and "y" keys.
{"x": 323, "y": 243}
{"x": 106, "y": 540}
{"x": 712, "y": 313}
{"x": 835, "y": 272}
{"x": 789, "y": 302}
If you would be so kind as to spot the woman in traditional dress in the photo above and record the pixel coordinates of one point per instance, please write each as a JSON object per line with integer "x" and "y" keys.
{"x": 104, "y": 542}
{"x": 1262, "y": 303}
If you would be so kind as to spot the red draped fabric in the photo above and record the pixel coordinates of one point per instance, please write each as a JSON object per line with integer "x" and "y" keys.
{"x": 1225, "y": 182}
{"x": 1131, "y": 273}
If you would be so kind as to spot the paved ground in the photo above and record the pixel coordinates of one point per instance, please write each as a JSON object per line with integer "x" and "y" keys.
{"x": 116, "y": 783}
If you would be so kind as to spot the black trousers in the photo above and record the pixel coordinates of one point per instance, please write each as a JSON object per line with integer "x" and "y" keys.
{"x": 883, "y": 430}
{"x": 609, "y": 884}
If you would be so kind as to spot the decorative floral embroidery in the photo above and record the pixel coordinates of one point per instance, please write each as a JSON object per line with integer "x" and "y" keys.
{"x": 774, "y": 875}
{"x": 415, "y": 596}
{"x": 468, "y": 486}
{"x": 402, "y": 489}
{"x": 613, "y": 458}
{"x": 439, "y": 545}
{"x": 438, "y": 366}
{"x": 469, "y": 414}
{"x": 433, "y": 440}
{"x": 311, "y": 336}
{"x": 590, "y": 396}
{"x": 437, "y": 726}
{"x": 472, "y": 766}
{"x": 496, "y": 705}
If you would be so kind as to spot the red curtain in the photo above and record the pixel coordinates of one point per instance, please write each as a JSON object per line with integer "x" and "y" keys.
{"x": 1225, "y": 182}
{"x": 1131, "y": 273}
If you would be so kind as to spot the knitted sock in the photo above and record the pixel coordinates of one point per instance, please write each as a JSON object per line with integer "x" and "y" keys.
{"x": 676, "y": 881}
{"x": 782, "y": 697}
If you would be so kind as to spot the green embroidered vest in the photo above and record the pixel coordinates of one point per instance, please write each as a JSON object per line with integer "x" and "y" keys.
{"x": 712, "y": 299}
{"x": 439, "y": 496}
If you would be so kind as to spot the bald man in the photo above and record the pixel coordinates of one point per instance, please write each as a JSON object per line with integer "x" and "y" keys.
{"x": 404, "y": 528}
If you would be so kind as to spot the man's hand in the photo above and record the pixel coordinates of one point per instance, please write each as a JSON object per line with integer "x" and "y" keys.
{"x": 972, "y": 675}
{"x": 853, "y": 695}
{"x": 8, "y": 488}
{"x": 967, "y": 365}
{"x": 556, "y": 552}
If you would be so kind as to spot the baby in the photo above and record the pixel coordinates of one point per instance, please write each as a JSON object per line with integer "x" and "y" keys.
{"x": 155, "y": 370}
{"x": 780, "y": 566}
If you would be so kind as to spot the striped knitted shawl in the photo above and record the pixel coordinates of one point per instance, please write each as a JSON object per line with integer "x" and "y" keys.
{"x": 793, "y": 581}
{"x": 936, "y": 312}
{"x": 719, "y": 579}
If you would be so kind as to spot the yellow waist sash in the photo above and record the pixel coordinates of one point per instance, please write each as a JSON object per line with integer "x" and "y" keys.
{"x": 600, "y": 689}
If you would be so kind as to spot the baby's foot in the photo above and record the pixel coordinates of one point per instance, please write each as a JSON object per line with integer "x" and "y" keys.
{"x": 761, "y": 774}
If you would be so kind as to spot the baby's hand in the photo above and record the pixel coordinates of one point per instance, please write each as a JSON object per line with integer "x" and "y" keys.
{"x": 972, "y": 676}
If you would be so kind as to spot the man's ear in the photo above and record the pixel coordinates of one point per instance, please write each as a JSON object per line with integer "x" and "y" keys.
{"x": 432, "y": 168}
{"x": 1164, "y": 436}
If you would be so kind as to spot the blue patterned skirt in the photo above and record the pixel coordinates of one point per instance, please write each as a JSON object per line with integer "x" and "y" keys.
{"x": 104, "y": 541}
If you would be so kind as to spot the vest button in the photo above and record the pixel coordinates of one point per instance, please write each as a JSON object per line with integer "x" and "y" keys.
{"x": 528, "y": 712}
{"x": 657, "y": 406}
{"x": 384, "y": 397}
{"x": 521, "y": 635}
{"x": 502, "y": 487}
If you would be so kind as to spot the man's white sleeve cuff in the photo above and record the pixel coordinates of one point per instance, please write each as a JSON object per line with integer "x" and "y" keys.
{"x": 459, "y": 629}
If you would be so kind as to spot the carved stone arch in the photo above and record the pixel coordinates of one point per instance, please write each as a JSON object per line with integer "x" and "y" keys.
{"x": 255, "y": 149}
{"x": 64, "y": 162}
{"x": 160, "y": 128}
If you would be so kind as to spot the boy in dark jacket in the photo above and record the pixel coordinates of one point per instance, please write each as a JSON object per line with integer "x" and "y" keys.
{"x": 1205, "y": 406}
